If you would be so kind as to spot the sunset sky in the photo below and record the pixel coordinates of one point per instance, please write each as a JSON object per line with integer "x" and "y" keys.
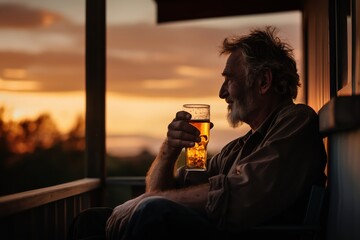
{"x": 152, "y": 69}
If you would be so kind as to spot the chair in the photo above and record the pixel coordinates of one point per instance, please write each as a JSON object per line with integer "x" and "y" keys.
{"x": 312, "y": 227}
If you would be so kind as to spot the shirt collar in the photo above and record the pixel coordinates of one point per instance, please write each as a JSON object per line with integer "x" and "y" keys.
{"x": 263, "y": 128}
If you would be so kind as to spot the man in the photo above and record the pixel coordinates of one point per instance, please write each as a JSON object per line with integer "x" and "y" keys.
{"x": 263, "y": 177}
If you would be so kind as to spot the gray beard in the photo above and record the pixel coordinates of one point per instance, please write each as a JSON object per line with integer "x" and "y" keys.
{"x": 233, "y": 117}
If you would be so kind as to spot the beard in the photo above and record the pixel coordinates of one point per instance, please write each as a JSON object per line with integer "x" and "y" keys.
{"x": 235, "y": 116}
{"x": 242, "y": 110}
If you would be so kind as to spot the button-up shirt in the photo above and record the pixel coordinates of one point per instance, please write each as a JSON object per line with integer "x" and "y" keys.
{"x": 266, "y": 175}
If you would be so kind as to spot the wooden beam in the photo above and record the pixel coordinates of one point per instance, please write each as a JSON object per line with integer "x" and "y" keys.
{"x": 340, "y": 114}
{"x": 338, "y": 12}
{"x": 176, "y": 10}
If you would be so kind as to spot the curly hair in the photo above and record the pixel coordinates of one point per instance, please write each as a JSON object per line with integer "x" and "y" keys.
{"x": 262, "y": 50}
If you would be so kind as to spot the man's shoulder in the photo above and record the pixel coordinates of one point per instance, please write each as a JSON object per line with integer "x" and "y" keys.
{"x": 290, "y": 115}
{"x": 297, "y": 110}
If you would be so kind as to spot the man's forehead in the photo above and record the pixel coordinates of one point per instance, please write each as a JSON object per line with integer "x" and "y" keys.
{"x": 233, "y": 62}
{"x": 236, "y": 55}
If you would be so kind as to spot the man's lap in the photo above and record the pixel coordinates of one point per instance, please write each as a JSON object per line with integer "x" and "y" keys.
{"x": 154, "y": 218}
{"x": 159, "y": 218}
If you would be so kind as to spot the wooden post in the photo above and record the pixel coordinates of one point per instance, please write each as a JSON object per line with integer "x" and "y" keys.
{"x": 95, "y": 88}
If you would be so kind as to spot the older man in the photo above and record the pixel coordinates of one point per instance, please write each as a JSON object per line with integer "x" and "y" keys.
{"x": 262, "y": 177}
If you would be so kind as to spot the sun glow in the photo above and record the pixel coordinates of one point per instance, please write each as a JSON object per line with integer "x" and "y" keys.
{"x": 62, "y": 107}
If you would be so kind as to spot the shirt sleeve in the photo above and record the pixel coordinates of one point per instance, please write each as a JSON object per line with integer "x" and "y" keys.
{"x": 289, "y": 159}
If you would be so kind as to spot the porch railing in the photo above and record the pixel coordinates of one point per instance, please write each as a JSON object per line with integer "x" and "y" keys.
{"x": 46, "y": 213}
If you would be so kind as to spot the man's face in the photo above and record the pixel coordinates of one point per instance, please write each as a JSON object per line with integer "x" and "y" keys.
{"x": 237, "y": 92}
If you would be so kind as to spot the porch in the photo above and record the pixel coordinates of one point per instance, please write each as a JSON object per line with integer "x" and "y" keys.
{"x": 46, "y": 213}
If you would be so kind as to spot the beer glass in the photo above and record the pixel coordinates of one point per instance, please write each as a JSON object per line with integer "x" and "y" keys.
{"x": 196, "y": 157}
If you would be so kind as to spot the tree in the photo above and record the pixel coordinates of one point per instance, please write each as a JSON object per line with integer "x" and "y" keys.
{"x": 34, "y": 153}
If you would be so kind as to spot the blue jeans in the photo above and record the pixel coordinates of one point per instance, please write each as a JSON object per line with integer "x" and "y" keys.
{"x": 155, "y": 218}
{"x": 159, "y": 218}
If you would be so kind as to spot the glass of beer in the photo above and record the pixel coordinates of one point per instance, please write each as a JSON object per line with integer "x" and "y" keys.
{"x": 196, "y": 157}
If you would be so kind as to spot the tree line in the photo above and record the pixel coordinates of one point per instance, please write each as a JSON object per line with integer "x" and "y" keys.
{"x": 35, "y": 154}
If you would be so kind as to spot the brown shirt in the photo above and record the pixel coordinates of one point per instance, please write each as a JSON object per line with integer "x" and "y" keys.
{"x": 266, "y": 175}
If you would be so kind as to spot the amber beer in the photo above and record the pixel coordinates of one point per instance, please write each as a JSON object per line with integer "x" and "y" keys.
{"x": 196, "y": 157}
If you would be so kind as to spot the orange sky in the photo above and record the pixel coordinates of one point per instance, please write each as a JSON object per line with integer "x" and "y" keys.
{"x": 152, "y": 68}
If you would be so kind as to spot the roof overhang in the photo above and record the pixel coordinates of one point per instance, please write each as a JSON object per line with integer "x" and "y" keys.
{"x": 177, "y": 10}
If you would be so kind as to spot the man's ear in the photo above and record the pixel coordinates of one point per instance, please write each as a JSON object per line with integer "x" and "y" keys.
{"x": 265, "y": 81}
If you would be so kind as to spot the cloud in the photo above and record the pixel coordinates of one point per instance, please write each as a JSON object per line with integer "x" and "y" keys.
{"x": 49, "y": 71}
{"x": 143, "y": 52}
{"x": 139, "y": 52}
{"x": 18, "y": 85}
{"x": 148, "y": 60}
{"x": 21, "y": 16}
{"x": 193, "y": 71}
{"x": 166, "y": 84}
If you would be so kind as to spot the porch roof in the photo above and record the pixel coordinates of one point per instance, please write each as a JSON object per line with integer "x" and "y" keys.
{"x": 177, "y": 10}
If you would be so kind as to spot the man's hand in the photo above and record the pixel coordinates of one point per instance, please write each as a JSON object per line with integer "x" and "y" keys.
{"x": 181, "y": 133}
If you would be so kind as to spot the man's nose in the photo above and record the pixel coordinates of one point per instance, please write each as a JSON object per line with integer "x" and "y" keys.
{"x": 223, "y": 93}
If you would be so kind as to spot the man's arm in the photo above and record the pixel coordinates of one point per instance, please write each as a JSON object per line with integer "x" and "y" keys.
{"x": 160, "y": 180}
{"x": 161, "y": 176}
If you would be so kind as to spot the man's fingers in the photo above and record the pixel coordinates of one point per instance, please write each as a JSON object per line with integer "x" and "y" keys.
{"x": 183, "y": 135}
{"x": 178, "y": 143}
{"x": 182, "y": 115}
{"x": 183, "y": 126}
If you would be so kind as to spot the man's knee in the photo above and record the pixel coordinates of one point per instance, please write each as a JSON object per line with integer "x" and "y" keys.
{"x": 155, "y": 204}
{"x": 150, "y": 218}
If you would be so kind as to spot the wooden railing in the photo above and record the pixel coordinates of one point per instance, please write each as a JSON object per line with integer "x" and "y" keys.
{"x": 46, "y": 213}
{"x": 136, "y": 183}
